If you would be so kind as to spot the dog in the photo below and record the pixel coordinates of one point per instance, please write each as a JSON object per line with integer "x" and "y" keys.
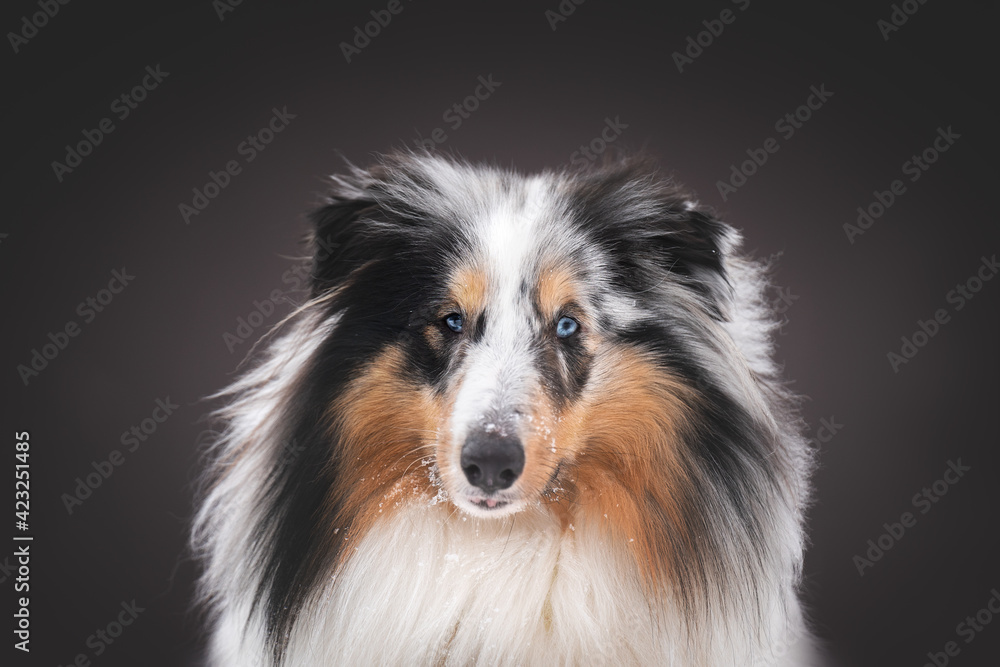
{"x": 518, "y": 420}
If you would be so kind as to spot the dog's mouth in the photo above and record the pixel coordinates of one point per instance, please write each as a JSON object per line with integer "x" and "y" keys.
{"x": 475, "y": 502}
{"x": 488, "y": 506}
{"x": 489, "y": 503}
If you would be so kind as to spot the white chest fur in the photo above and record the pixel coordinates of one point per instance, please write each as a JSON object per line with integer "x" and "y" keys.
{"x": 433, "y": 587}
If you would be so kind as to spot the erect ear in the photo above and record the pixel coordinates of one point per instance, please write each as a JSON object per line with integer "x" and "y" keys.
{"x": 651, "y": 226}
{"x": 693, "y": 241}
{"x": 692, "y": 245}
{"x": 630, "y": 203}
{"x": 339, "y": 242}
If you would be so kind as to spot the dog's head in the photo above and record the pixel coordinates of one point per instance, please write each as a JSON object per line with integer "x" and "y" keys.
{"x": 519, "y": 332}
{"x": 587, "y": 346}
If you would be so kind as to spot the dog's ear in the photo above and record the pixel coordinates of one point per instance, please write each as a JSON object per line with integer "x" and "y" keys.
{"x": 691, "y": 245}
{"x": 339, "y": 242}
{"x": 693, "y": 241}
{"x": 651, "y": 226}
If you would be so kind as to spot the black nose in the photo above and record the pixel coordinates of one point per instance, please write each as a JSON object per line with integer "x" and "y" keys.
{"x": 491, "y": 461}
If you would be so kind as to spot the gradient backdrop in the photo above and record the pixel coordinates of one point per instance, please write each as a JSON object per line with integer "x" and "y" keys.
{"x": 847, "y": 301}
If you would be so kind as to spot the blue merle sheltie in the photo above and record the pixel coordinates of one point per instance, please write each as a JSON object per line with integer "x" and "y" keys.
{"x": 518, "y": 420}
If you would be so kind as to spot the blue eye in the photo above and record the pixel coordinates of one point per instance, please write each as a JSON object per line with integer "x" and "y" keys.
{"x": 454, "y": 322}
{"x": 566, "y": 327}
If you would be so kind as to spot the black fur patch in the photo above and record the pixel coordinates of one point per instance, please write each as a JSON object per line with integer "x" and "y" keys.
{"x": 387, "y": 284}
{"x": 648, "y": 227}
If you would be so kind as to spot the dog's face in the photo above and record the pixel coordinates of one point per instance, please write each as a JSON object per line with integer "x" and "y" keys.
{"x": 521, "y": 324}
{"x": 520, "y": 330}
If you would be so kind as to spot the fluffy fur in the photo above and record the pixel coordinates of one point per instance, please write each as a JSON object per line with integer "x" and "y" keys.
{"x": 658, "y": 515}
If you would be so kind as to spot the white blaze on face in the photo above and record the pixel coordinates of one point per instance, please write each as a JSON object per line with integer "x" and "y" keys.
{"x": 499, "y": 376}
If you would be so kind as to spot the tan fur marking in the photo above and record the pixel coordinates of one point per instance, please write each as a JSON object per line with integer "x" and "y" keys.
{"x": 624, "y": 444}
{"x": 387, "y": 426}
{"x": 468, "y": 289}
{"x": 556, "y": 287}
{"x": 466, "y": 294}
